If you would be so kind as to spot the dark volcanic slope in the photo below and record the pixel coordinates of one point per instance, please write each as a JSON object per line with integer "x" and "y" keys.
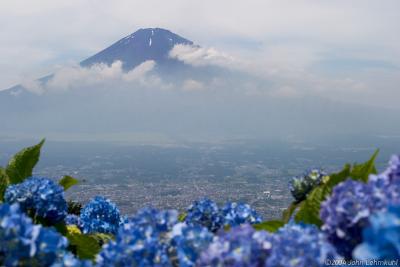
{"x": 144, "y": 44}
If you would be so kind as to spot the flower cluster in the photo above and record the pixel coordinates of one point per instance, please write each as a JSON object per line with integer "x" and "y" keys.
{"x": 300, "y": 245}
{"x": 100, "y": 215}
{"x": 39, "y": 195}
{"x": 300, "y": 186}
{"x": 188, "y": 242}
{"x": 206, "y": 213}
{"x": 72, "y": 219}
{"x": 241, "y": 246}
{"x": 134, "y": 246}
{"x": 381, "y": 239}
{"x": 236, "y": 214}
{"x": 23, "y": 243}
{"x": 161, "y": 221}
{"x": 345, "y": 213}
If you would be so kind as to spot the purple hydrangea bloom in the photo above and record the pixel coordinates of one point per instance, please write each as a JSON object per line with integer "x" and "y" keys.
{"x": 23, "y": 243}
{"x": 100, "y": 215}
{"x": 237, "y": 214}
{"x": 134, "y": 246}
{"x": 381, "y": 240}
{"x": 205, "y": 212}
{"x": 300, "y": 246}
{"x": 41, "y": 195}
{"x": 241, "y": 246}
{"x": 189, "y": 241}
{"x": 300, "y": 186}
{"x": 345, "y": 214}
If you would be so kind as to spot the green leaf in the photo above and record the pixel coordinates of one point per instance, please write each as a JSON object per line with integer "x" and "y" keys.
{"x": 4, "y": 182}
{"x": 84, "y": 246}
{"x": 21, "y": 165}
{"x": 67, "y": 182}
{"x": 287, "y": 213}
{"x": 270, "y": 226}
{"x": 361, "y": 172}
{"x": 309, "y": 209}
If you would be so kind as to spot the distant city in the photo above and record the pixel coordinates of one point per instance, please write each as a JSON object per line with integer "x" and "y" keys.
{"x": 173, "y": 176}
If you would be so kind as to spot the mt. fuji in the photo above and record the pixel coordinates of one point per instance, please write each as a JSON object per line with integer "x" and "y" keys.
{"x": 144, "y": 44}
{"x": 157, "y": 83}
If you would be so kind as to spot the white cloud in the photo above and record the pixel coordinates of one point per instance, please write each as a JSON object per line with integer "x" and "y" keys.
{"x": 199, "y": 56}
{"x": 192, "y": 85}
{"x": 71, "y": 77}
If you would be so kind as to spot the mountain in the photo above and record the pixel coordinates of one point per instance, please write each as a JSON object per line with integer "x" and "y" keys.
{"x": 175, "y": 100}
{"x": 142, "y": 45}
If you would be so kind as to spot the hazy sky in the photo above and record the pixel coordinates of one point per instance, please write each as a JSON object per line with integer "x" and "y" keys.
{"x": 341, "y": 49}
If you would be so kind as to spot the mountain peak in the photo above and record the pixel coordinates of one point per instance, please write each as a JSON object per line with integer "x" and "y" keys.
{"x": 138, "y": 47}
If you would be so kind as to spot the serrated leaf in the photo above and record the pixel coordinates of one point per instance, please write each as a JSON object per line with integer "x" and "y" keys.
{"x": 67, "y": 182}
{"x": 270, "y": 226}
{"x": 361, "y": 172}
{"x": 84, "y": 246}
{"x": 309, "y": 209}
{"x": 4, "y": 182}
{"x": 21, "y": 165}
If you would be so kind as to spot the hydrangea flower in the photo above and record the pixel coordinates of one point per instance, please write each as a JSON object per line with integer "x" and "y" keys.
{"x": 345, "y": 214}
{"x": 23, "y": 243}
{"x": 134, "y": 246}
{"x": 237, "y": 214}
{"x": 41, "y": 195}
{"x": 69, "y": 260}
{"x": 241, "y": 246}
{"x": 100, "y": 215}
{"x": 161, "y": 221}
{"x": 72, "y": 219}
{"x": 204, "y": 212}
{"x": 381, "y": 240}
{"x": 300, "y": 246}
{"x": 300, "y": 186}
{"x": 392, "y": 172}
{"x": 188, "y": 242}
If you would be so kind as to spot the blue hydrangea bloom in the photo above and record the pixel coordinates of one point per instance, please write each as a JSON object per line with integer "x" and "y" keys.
{"x": 300, "y": 186}
{"x": 69, "y": 260}
{"x": 345, "y": 213}
{"x": 161, "y": 221}
{"x": 241, "y": 246}
{"x": 100, "y": 215}
{"x": 42, "y": 195}
{"x": 72, "y": 219}
{"x": 134, "y": 246}
{"x": 205, "y": 212}
{"x": 300, "y": 246}
{"x": 189, "y": 241}
{"x": 237, "y": 214}
{"x": 381, "y": 240}
{"x": 23, "y": 243}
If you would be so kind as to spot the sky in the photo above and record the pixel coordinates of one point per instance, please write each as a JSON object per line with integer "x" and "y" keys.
{"x": 346, "y": 50}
